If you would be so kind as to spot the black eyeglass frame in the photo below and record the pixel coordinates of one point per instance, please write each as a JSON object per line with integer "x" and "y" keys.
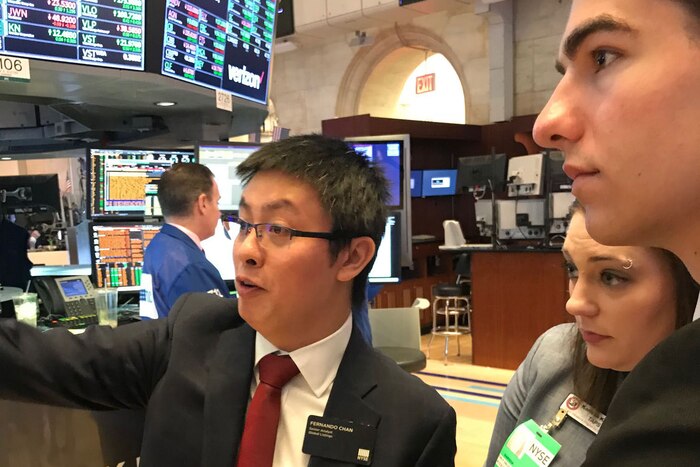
{"x": 292, "y": 232}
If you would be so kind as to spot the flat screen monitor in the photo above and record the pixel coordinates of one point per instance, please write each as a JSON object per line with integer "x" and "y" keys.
{"x": 120, "y": 179}
{"x": 416, "y": 183}
{"x": 223, "y": 45}
{"x": 439, "y": 182}
{"x": 525, "y": 175}
{"x": 399, "y": 181}
{"x": 387, "y": 266}
{"x": 108, "y": 33}
{"x": 219, "y": 249}
{"x": 557, "y": 180}
{"x": 30, "y": 194}
{"x": 478, "y": 171}
{"x": 222, "y": 160}
{"x": 388, "y": 155}
{"x": 117, "y": 253}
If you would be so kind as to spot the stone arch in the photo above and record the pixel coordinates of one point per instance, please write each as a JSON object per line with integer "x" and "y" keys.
{"x": 387, "y": 42}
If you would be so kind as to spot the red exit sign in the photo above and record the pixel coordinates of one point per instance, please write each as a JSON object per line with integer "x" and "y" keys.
{"x": 425, "y": 83}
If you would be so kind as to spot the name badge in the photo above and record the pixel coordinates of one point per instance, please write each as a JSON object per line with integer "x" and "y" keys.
{"x": 528, "y": 446}
{"x": 341, "y": 440}
{"x": 583, "y": 413}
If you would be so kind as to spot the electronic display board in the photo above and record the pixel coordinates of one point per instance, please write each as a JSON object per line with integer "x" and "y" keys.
{"x": 220, "y": 44}
{"x": 119, "y": 179}
{"x": 106, "y": 33}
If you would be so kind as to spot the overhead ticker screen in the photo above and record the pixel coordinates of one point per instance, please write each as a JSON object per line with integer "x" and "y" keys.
{"x": 106, "y": 33}
{"x": 220, "y": 44}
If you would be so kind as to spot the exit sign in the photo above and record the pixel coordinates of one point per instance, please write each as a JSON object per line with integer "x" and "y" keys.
{"x": 425, "y": 83}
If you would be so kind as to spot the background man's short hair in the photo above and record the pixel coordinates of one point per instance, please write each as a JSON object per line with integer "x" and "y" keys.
{"x": 180, "y": 186}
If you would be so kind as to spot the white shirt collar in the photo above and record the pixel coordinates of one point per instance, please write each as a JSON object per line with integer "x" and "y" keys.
{"x": 318, "y": 362}
{"x": 189, "y": 233}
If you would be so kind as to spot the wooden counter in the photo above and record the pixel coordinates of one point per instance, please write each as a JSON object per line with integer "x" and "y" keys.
{"x": 516, "y": 296}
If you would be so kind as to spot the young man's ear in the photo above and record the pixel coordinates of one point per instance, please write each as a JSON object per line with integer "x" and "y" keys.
{"x": 354, "y": 258}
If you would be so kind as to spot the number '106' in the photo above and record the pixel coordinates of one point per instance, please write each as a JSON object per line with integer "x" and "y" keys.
{"x": 9, "y": 64}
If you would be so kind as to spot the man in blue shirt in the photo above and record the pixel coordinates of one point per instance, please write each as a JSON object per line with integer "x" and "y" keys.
{"x": 174, "y": 262}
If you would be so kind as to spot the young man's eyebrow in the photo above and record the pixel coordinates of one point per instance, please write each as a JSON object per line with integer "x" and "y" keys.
{"x": 600, "y": 23}
{"x": 272, "y": 206}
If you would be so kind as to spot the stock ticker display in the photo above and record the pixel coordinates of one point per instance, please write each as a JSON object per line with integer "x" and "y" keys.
{"x": 118, "y": 179}
{"x": 118, "y": 253}
{"x": 90, "y": 32}
{"x": 220, "y": 44}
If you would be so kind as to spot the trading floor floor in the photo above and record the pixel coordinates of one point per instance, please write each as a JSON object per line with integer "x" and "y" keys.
{"x": 473, "y": 391}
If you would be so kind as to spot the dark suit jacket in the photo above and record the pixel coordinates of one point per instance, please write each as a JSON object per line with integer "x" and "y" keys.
{"x": 654, "y": 419}
{"x": 14, "y": 262}
{"x": 192, "y": 372}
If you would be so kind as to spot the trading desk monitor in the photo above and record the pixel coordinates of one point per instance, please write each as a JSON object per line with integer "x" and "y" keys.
{"x": 108, "y": 33}
{"x": 119, "y": 179}
{"x": 219, "y": 249}
{"x": 222, "y": 160}
{"x": 387, "y": 266}
{"x": 117, "y": 251}
{"x": 30, "y": 194}
{"x": 481, "y": 171}
{"x": 220, "y": 44}
{"x": 388, "y": 155}
{"x": 557, "y": 180}
{"x": 439, "y": 182}
{"x": 416, "y": 183}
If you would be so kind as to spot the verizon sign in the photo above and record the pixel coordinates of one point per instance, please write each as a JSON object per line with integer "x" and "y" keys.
{"x": 425, "y": 83}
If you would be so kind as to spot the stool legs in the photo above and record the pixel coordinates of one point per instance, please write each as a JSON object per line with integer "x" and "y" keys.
{"x": 453, "y": 307}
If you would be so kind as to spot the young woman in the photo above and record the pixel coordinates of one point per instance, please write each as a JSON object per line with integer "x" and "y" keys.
{"x": 625, "y": 300}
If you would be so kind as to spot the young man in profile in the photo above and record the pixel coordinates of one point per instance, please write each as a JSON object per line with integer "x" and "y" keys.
{"x": 280, "y": 377}
{"x": 625, "y": 113}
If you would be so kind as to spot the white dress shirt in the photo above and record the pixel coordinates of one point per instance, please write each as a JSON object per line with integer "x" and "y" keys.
{"x": 307, "y": 393}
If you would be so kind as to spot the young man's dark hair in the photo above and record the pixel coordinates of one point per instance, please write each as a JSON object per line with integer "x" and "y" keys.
{"x": 181, "y": 185}
{"x": 352, "y": 190}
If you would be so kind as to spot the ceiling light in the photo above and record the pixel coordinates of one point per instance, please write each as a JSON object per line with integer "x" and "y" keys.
{"x": 165, "y": 103}
{"x": 5, "y": 158}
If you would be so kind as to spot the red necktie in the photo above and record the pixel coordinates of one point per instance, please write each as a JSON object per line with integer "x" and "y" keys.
{"x": 260, "y": 431}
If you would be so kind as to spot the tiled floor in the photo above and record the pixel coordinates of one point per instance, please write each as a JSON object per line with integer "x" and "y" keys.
{"x": 474, "y": 392}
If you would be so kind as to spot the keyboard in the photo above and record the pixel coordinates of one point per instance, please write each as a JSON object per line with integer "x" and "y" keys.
{"x": 70, "y": 322}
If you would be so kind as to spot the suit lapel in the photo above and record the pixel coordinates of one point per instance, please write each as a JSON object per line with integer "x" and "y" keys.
{"x": 226, "y": 398}
{"x": 356, "y": 378}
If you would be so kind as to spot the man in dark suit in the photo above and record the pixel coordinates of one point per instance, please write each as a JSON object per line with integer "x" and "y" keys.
{"x": 625, "y": 113}
{"x": 174, "y": 262}
{"x": 311, "y": 216}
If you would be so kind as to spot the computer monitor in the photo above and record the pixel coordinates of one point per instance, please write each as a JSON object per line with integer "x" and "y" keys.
{"x": 118, "y": 179}
{"x": 117, "y": 253}
{"x": 439, "y": 182}
{"x": 416, "y": 183}
{"x": 482, "y": 171}
{"x": 387, "y": 266}
{"x": 400, "y": 187}
{"x": 389, "y": 156}
{"x": 557, "y": 180}
{"x": 219, "y": 249}
{"x": 222, "y": 159}
{"x": 525, "y": 175}
{"x": 30, "y": 194}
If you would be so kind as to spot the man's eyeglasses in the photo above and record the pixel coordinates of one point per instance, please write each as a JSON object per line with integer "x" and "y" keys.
{"x": 277, "y": 234}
